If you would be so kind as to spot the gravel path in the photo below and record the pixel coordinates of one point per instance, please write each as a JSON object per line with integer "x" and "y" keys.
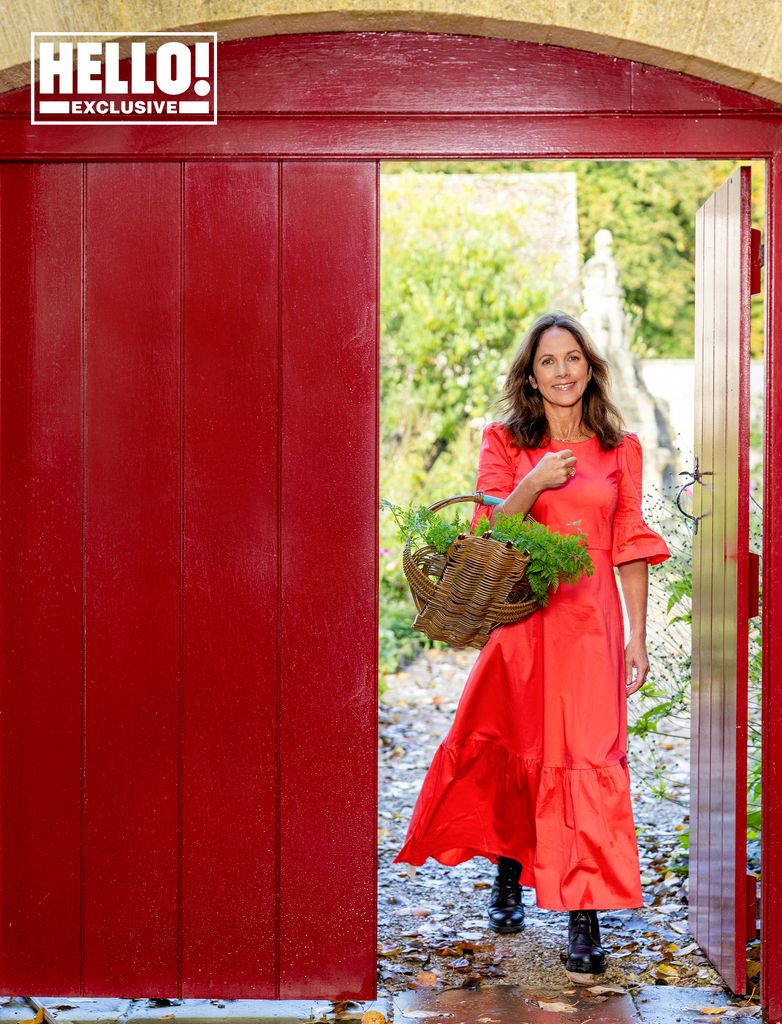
{"x": 432, "y": 930}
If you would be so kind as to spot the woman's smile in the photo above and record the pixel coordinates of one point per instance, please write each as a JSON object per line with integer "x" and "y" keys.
{"x": 561, "y": 371}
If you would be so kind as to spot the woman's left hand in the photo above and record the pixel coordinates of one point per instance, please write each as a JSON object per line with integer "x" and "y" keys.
{"x": 636, "y": 657}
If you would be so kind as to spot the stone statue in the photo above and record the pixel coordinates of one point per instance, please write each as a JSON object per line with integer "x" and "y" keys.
{"x": 612, "y": 329}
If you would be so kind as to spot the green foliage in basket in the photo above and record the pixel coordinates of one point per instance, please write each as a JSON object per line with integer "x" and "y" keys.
{"x": 554, "y": 557}
{"x": 427, "y": 526}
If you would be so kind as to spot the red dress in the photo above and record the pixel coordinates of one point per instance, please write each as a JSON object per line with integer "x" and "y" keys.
{"x": 534, "y": 765}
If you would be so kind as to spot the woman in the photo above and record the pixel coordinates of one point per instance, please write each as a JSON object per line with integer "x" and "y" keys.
{"x": 533, "y": 772}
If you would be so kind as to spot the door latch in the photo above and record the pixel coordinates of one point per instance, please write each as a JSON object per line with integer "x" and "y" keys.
{"x": 695, "y": 477}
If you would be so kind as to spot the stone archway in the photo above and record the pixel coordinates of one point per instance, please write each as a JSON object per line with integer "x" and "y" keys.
{"x": 705, "y": 38}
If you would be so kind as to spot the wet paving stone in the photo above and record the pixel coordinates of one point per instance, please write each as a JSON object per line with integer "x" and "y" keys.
{"x": 668, "y": 1004}
{"x": 516, "y": 1004}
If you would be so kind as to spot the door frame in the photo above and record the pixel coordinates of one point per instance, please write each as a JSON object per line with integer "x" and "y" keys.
{"x": 429, "y": 96}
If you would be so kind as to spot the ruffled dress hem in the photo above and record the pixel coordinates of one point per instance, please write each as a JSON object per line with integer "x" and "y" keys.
{"x": 565, "y": 825}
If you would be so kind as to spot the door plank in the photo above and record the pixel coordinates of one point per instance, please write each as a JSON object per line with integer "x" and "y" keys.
{"x": 230, "y": 552}
{"x": 41, "y": 557}
{"x": 133, "y": 495}
{"x": 328, "y": 642}
{"x": 718, "y": 804}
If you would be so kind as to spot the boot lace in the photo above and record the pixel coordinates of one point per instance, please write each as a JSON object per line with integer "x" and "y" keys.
{"x": 582, "y": 925}
{"x": 504, "y": 884}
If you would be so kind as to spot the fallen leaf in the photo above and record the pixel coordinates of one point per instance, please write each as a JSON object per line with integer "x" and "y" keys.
{"x": 471, "y": 981}
{"x": 424, "y": 979}
{"x": 422, "y": 1014}
{"x": 600, "y": 990}
{"x": 557, "y": 1007}
{"x": 711, "y": 1011}
{"x": 472, "y": 947}
{"x": 666, "y": 971}
{"x": 373, "y": 1017}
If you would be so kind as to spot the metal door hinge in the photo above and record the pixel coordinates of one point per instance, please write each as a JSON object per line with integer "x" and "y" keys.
{"x": 753, "y": 584}
{"x": 757, "y": 256}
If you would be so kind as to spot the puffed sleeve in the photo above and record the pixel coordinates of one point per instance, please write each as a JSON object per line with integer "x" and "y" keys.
{"x": 631, "y": 537}
{"x": 496, "y": 468}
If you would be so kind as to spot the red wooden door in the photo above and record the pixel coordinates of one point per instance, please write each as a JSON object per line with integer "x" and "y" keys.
{"x": 721, "y": 896}
{"x": 188, "y": 466}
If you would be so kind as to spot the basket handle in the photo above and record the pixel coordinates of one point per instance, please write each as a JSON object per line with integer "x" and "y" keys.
{"x": 478, "y": 497}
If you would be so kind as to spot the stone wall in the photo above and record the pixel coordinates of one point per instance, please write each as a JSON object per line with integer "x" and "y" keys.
{"x": 672, "y": 383}
{"x": 735, "y": 44}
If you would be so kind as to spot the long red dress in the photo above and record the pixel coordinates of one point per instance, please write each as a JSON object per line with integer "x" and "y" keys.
{"x": 534, "y": 765}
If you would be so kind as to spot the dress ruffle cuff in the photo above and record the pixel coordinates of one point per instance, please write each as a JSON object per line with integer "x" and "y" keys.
{"x": 570, "y": 828}
{"x": 633, "y": 538}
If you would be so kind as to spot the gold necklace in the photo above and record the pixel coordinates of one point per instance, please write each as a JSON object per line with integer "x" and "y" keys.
{"x": 581, "y": 437}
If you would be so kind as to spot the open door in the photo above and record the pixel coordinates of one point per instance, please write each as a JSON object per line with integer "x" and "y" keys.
{"x": 721, "y": 894}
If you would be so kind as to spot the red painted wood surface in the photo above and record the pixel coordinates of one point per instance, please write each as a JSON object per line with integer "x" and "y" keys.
{"x": 189, "y": 454}
{"x": 414, "y": 136}
{"x": 41, "y": 658}
{"x": 131, "y": 367}
{"x": 329, "y": 433}
{"x": 771, "y": 809}
{"x": 231, "y": 590}
{"x": 425, "y": 72}
{"x": 718, "y": 788}
{"x": 408, "y": 94}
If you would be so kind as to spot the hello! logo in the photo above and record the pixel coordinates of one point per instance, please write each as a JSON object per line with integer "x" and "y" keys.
{"x": 143, "y": 78}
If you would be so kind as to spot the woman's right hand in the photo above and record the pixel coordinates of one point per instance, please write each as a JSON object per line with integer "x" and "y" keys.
{"x": 554, "y": 469}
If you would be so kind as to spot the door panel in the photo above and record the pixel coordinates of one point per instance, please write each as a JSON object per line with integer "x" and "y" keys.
{"x": 131, "y": 556}
{"x": 328, "y": 832}
{"x": 188, "y": 477}
{"x": 230, "y": 585}
{"x": 718, "y": 805}
{"x": 40, "y": 578}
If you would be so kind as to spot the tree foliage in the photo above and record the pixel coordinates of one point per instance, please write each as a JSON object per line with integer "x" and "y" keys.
{"x": 650, "y": 207}
{"x": 455, "y": 297}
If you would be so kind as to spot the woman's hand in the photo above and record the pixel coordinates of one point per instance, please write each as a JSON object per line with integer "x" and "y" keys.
{"x": 634, "y": 577}
{"x": 554, "y": 469}
{"x": 635, "y": 658}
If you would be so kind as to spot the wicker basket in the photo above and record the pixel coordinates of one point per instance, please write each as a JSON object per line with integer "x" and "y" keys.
{"x": 479, "y": 583}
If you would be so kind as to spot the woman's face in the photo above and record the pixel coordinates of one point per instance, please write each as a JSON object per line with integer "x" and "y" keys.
{"x": 560, "y": 368}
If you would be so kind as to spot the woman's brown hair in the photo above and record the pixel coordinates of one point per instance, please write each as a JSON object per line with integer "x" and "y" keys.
{"x": 525, "y": 417}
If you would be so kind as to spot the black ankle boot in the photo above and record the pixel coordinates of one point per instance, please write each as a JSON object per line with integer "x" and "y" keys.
{"x": 505, "y": 910}
{"x": 584, "y": 954}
